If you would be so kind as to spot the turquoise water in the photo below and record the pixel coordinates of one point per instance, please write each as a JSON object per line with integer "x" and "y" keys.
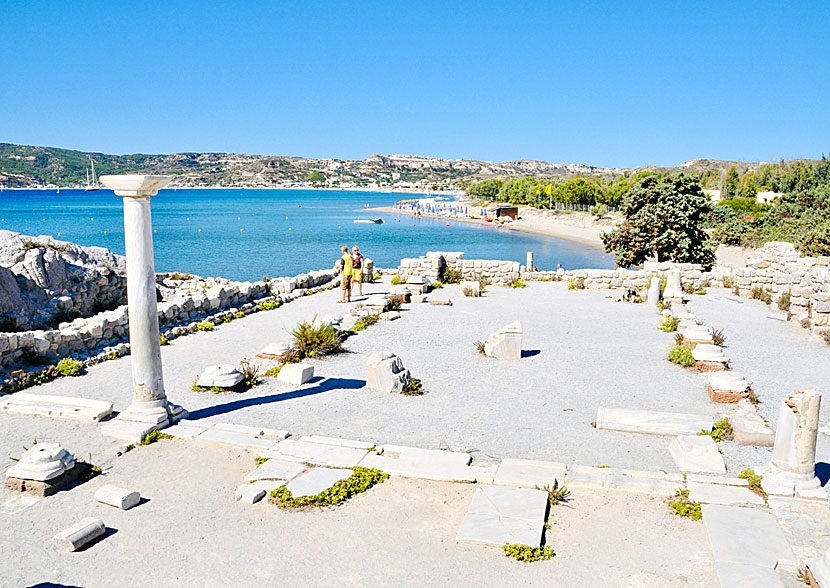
{"x": 246, "y": 234}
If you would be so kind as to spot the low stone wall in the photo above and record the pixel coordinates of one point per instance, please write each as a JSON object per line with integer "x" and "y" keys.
{"x": 435, "y": 263}
{"x": 185, "y": 302}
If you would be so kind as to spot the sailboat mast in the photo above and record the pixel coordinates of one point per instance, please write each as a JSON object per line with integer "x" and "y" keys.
{"x": 94, "y": 181}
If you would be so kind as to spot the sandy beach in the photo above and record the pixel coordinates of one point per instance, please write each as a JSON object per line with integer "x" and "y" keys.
{"x": 579, "y": 227}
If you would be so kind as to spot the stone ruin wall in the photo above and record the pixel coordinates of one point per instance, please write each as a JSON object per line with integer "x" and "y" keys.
{"x": 433, "y": 264}
{"x": 187, "y": 301}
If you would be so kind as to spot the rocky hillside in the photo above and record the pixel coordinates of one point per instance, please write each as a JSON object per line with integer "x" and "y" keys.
{"x": 44, "y": 282}
{"x": 25, "y": 166}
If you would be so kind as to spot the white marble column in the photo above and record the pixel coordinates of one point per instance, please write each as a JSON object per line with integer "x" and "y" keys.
{"x": 149, "y": 409}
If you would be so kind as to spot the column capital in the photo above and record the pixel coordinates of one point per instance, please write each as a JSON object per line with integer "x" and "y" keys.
{"x": 135, "y": 185}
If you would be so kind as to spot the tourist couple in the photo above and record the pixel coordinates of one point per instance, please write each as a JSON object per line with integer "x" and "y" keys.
{"x": 351, "y": 273}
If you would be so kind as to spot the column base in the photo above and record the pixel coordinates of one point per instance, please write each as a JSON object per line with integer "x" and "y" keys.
{"x": 142, "y": 418}
{"x": 778, "y": 482}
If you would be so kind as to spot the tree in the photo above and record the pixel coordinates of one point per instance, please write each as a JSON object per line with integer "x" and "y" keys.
{"x": 663, "y": 218}
{"x": 730, "y": 184}
{"x": 316, "y": 177}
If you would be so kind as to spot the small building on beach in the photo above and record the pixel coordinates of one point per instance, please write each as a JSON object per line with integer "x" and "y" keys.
{"x": 502, "y": 211}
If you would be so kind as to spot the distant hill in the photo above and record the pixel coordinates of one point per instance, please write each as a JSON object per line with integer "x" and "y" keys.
{"x": 27, "y": 166}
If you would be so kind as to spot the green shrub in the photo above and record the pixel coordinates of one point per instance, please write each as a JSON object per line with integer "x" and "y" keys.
{"x": 269, "y": 304}
{"x": 308, "y": 292}
{"x": 250, "y": 373}
{"x": 361, "y": 480}
{"x": 154, "y": 436}
{"x": 316, "y": 340}
{"x": 517, "y": 283}
{"x": 753, "y": 479}
{"x": 395, "y": 302}
{"x": 526, "y": 553}
{"x": 576, "y": 284}
{"x": 668, "y": 324}
{"x": 722, "y": 431}
{"x": 412, "y": 387}
{"x": 437, "y": 285}
{"x": 451, "y": 276}
{"x": 376, "y": 276}
{"x": 599, "y": 211}
{"x": 396, "y": 280}
{"x": 682, "y": 506}
{"x": 274, "y": 371}
{"x": 69, "y": 367}
{"x": 700, "y": 292}
{"x": 784, "y": 301}
{"x": 204, "y": 326}
{"x": 178, "y": 276}
{"x": 681, "y": 355}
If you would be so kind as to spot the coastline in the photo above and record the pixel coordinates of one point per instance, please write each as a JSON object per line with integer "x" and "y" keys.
{"x": 578, "y": 228}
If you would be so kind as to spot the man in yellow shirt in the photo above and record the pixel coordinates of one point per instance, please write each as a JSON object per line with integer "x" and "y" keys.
{"x": 346, "y": 271}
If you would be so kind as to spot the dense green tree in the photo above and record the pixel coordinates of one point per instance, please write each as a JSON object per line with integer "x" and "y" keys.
{"x": 663, "y": 218}
{"x": 729, "y": 189}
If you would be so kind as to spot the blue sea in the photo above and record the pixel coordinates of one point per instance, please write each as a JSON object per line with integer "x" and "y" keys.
{"x": 246, "y": 234}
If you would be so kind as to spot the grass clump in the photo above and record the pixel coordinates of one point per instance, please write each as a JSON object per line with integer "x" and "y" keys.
{"x": 718, "y": 338}
{"x": 469, "y": 292}
{"x": 182, "y": 277}
{"x": 556, "y": 493}
{"x": 753, "y": 480}
{"x": 668, "y": 324}
{"x": 480, "y": 347}
{"x": 205, "y": 326}
{"x": 113, "y": 355}
{"x": 438, "y": 285}
{"x": 163, "y": 340}
{"x": 451, "y": 276}
{"x": 69, "y": 367}
{"x": 239, "y": 314}
{"x": 722, "y": 431}
{"x": 759, "y": 293}
{"x": 261, "y": 460}
{"x": 682, "y": 506}
{"x": 518, "y": 283}
{"x": 396, "y": 280}
{"x": 360, "y": 481}
{"x": 395, "y": 302}
{"x": 576, "y": 284}
{"x": 784, "y": 301}
{"x": 316, "y": 340}
{"x": 412, "y": 387}
{"x": 270, "y": 304}
{"x": 153, "y": 436}
{"x": 728, "y": 281}
{"x": 700, "y": 292}
{"x": 88, "y": 468}
{"x": 526, "y": 553}
{"x": 376, "y": 276}
{"x": 681, "y": 355}
{"x": 274, "y": 371}
{"x": 367, "y": 321}
{"x": 250, "y": 373}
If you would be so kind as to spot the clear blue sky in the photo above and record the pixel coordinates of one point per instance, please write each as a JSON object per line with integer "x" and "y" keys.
{"x": 611, "y": 84}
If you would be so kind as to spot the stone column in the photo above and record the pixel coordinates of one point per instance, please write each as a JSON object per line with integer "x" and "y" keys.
{"x": 792, "y": 468}
{"x": 149, "y": 409}
{"x": 529, "y": 265}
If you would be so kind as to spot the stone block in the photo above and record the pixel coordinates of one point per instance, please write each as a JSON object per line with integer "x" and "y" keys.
{"x": 499, "y": 514}
{"x": 276, "y": 469}
{"x": 745, "y": 536}
{"x": 78, "y": 535}
{"x": 56, "y": 406}
{"x": 220, "y": 376}
{"x": 117, "y": 496}
{"x": 651, "y": 422}
{"x": 338, "y": 442}
{"x": 274, "y": 351}
{"x": 295, "y": 374}
{"x": 184, "y": 430}
{"x": 697, "y": 453}
{"x": 315, "y": 481}
{"x": 819, "y": 567}
{"x": 249, "y": 494}
{"x": 429, "y": 464}
{"x": 528, "y": 473}
{"x": 727, "y": 387}
{"x": 317, "y": 453}
{"x": 132, "y": 431}
{"x": 236, "y": 439}
{"x": 385, "y": 372}
{"x": 722, "y": 494}
{"x": 506, "y": 343}
{"x": 440, "y": 301}
{"x": 750, "y": 429}
{"x": 252, "y": 431}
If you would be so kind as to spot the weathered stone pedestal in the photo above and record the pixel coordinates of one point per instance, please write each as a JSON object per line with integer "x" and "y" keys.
{"x": 727, "y": 387}
{"x": 506, "y": 343}
{"x": 385, "y": 372}
{"x": 149, "y": 409}
{"x": 792, "y": 470}
{"x": 709, "y": 358}
{"x": 43, "y": 470}
{"x": 673, "y": 289}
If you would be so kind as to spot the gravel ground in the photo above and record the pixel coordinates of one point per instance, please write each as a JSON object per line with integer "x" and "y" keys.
{"x": 777, "y": 357}
{"x": 583, "y": 351}
{"x": 189, "y": 532}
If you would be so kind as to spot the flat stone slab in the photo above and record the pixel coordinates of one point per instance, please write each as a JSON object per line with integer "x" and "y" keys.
{"x": 238, "y": 439}
{"x": 184, "y": 430}
{"x": 249, "y": 494}
{"x": 63, "y": 407}
{"x": 317, "y": 453}
{"x": 13, "y": 503}
{"x": 746, "y": 576}
{"x": 722, "y": 494}
{"x": 750, "y": 429}
{"x": 260, "y": 432}
{"x": 276, "y": 469}
{"x": 529, "y": 474}
{"x": 337, "y": 441}
{"x": 429, "y": 464}
{"x": 651, "y": 422}
{"x": 316, "y": 480}
{"x": 746, "y": 536}
{"x": 697, "y": 453}
{"x": 500, "y": 514}
{"x": 132, "y": 431}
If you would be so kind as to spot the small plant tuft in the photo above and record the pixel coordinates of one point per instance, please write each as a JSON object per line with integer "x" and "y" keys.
{"x": 412, "y": 387}
{"x": 274, "y": 371}
{"x": 261, "y": 460}
{"x": 668, "y": 324}
{"x": 526, "y": 553}
{"x": 396, "y": 280}
{"x": 576, "y": 284}
{"x": 518, "y": 283}
{"x": 684, "y": 507}
{"x": 269, "y": 304}
{"x": 239, "y": 314}
{"x": 316, "y": 340}
{"x": 250, "y": 373}
{"x": 438, "y": 285}
{"x": 718, "y": 338}
{"x": 728, "y": 281}
{"x": 204, "y": 326}
{"x": 153, "y": 436}
{"x": 722, "y": 431}
{"x": 451, "y": 276}
{"x": 69, "y": 367}
{"x": 480, "y": 347}
{"x": 753, "y": 480}
{"x": 163, "y": 340}
{"x": 784, "y": 301}
{"x": 556, "y": 493}
{"x": 395, "y": 302}
{"x": 681, "y": 355}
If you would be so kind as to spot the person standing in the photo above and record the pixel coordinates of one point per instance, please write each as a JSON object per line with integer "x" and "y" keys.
{"x": 357, "y": 270}
{"x": 346, "y": 271}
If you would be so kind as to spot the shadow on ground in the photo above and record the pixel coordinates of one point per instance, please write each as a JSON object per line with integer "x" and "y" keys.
{"x": 324, "y": 386}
